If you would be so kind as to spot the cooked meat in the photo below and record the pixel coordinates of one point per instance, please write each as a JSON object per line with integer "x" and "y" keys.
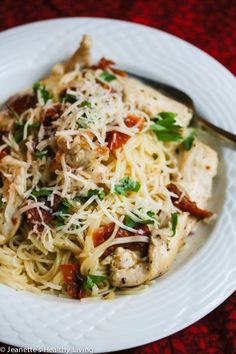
{"x": 201, "y": 162}
{"x": 81, "y": 56}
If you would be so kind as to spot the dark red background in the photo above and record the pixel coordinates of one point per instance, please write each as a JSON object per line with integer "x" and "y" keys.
{"x": 211, "y": 26}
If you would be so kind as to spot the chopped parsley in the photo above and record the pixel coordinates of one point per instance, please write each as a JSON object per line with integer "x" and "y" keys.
{"x": 59, "y": 221}
{"x": 93, "y": 280}
{"x": 174, "y": 222}
{"x": 188, "y": 141}
{"x": 38, "y": 193}
{"x": 85, "y": 104}
{"x": 131, "y": 223}
{"x": 106, "y": 76}
{"x": 127, "y": 185}
{"x": 18, "y": 130}
{"x": 83, "y": 198}
{"x": 44, "y": 93}
{"x": 151, "y": 213}
{"x": 41, "y": 154}
{"x": 165, "y": 127}
{"x": 64, "y": 206}
{"x": 99, "y": 192}
{"x": 70, "y": 98}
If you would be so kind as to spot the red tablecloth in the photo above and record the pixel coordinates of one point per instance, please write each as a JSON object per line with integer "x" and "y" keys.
{"x": 211, "y": 26}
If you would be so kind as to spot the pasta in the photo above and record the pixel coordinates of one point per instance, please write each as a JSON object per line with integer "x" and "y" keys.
{"x": 102, "y": 181}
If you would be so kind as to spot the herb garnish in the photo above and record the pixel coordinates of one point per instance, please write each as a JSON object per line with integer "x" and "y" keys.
{"x": 106, "y": 76}
{"x": 188, "y": 141}
{"x": 99, "y": 192}
{"x": 174, "y": 221}
{"x": 85, "y": 104}
{"x": 131, "y": 223}
{"x": 38, "y": 193}
{"x": 63, "y": 208}
{"x": 92, "y": 280}
{"x": 127, "y": 185}
{"x": 18, "y": 130}
{"x": 44, "y": 93}
{"x": 165, "y": 127}
{"x": 40, "y": 153}
{"x": 70, "y": 98}
{"x": 83, "y": 198}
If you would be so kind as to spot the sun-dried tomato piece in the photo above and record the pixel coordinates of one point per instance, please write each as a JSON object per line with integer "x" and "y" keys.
{"x": 74, "y": 284}
{"x": 116, "y": 140}
{"x": 102, "y": 64}
{"x": 185, "y": 204}
{"x": 20, "y": 103}
{"x": 104, "y": 232}
{"x": 34, "y": 218}
{"x": 3, "y": 153}
{"x": 132, "y": 120}
{"x": 108, "y": 64}
{"x": 51, "y": 113}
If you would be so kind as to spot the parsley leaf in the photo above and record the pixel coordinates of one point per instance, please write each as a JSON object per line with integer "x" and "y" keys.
{"x": 92, "y": 280}
{"x": 70, "y": 98}
{"x": 131, "y": 223}
{"x": 64, "y": 206}
{"x": 44, "y": 93}
{"x": 38, "y": 193}
{"x": 165, "y": 127}
{"x": 106, "y": 76}
{"x": 151, "y": 213}
{"x": 83, "y": 198}
{"x": 85, "y": 104}
{"x": 127, "y": 185}
{"x": 40, "y": 153}
{"x": 18, "y": 131}
{"x": 59, "y": 221}
{"x": 174, "y": 221}
{"x": 188, "y": 141}
{"x": 99, "y": 192}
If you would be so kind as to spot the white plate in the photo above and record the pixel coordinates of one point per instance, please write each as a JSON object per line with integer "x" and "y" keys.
{"x": 205, "y": 272}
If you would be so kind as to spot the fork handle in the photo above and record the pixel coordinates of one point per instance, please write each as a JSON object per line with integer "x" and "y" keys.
{"x": 223, "y": 134}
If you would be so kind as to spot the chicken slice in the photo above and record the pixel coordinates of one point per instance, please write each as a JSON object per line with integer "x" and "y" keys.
{"x": 198, "y": 167}
{"x": 13, "y": 192}
{"x": 81, "y": 56}
{"x": 127, "y": 269}
{"x": 152, "y": 101}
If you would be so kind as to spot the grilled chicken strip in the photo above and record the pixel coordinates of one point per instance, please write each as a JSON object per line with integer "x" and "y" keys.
{"x": 198, "y": 164}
